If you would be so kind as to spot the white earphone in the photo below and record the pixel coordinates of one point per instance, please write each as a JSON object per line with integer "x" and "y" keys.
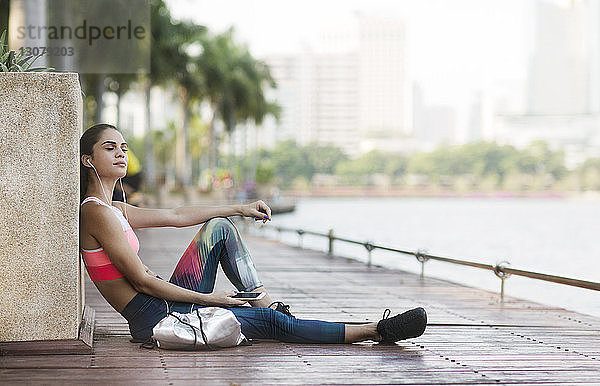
{"x": 102, "y": 186}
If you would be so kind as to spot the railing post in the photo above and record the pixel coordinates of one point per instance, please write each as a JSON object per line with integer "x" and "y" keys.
{"x": 369, "y": 246}
{"x": 330, "y": 236}
{"x": 499, "y": 271}
{"x": 421, "y": 256}
{"x": 300, "y": 234}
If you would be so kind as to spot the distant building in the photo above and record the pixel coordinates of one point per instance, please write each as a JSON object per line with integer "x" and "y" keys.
{"x": 432, "y": 124}
{"x": 476, "y": 119}
{"x": 561, "y": 65}
{"x": 383, "y": 89}
{"x": 563, "y": 89}
{"x": 353, "y": 96}
{"x": 336, "y": 108}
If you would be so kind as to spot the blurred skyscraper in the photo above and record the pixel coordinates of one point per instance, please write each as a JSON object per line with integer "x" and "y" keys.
{"x": 562, "y": 68}
{"x": 383, "y": 86}
{"x": 432, "y": 124}
{"x": 349, "y": 92}
{"x": 563, "y": 87}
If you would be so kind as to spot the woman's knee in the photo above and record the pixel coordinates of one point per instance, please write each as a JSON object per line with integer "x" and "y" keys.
{"x": 219, "y": 223}
{"x": 212, "y": 225}
{"x": 221, "y": 226}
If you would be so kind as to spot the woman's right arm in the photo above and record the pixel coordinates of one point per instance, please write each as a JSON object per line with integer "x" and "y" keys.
{"x": 161, "y": 289}
{"x": 108, "y": 232}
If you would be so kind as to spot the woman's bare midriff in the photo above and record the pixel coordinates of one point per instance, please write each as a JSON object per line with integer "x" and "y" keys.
{"x": 118, "y": 292}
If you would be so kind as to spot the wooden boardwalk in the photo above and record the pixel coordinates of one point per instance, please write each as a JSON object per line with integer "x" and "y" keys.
{"x": 472, "y": 338}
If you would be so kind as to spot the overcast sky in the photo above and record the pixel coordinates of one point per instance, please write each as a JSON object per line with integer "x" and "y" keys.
{"x": 453, "y": 47}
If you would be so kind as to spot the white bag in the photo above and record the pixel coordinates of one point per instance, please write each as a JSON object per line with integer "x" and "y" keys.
{"x": 208, "y": 327}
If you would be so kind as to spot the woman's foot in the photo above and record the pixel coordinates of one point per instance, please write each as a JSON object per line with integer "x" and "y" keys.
{"x": 409, "y": 324}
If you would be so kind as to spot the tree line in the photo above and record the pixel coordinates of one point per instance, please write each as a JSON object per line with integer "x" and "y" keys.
{"x": 473, "y": 166}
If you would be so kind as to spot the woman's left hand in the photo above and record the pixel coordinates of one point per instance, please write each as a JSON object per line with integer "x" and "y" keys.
{"x": 257, "y": 209}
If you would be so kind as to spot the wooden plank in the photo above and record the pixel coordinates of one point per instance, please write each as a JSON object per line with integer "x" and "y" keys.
{"x": 45, "y": 347}
{"x": 45, "y": 361}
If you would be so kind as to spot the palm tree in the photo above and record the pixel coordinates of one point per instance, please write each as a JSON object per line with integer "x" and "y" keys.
{"x": 166, "y": 58}
{"x": 253, "y": 106}
{"x": 119, "y": 84}
{"x": 160, "y": 19}
{"x": 234, "y": 85}
{"x": 190, "y": 86}
{"x": 164, "y": 141}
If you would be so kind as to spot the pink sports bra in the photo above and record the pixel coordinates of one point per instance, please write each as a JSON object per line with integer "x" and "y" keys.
{"x": 97, "y": 262}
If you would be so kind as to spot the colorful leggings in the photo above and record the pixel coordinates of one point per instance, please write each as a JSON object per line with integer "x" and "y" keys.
{"x": 219, "y": 241}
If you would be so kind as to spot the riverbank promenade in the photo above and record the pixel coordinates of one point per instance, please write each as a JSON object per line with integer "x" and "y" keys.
{"x": 472, "y": 338}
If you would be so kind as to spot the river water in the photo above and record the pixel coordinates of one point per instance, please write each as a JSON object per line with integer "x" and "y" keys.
{"x": 554, "y": 236}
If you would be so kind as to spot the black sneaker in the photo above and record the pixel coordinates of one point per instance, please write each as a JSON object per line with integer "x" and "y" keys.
{"x": 283, "y": 308}
{"x": 409, "y": 324}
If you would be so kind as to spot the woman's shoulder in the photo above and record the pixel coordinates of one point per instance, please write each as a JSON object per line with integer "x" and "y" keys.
{"x": 98, "y": 219}
{"x": 91, "y": 217}
{"x": 93, "y": 207}
{"x": 93, "y": 211}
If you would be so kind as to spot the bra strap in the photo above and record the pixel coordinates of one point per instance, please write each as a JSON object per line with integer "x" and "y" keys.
{"x": 95, "y": 199}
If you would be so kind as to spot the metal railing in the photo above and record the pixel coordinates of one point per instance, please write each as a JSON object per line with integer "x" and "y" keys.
{"x": 501, "y": 269}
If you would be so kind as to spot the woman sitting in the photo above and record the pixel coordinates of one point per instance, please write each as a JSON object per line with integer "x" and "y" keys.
{"x": 109, "y": 248}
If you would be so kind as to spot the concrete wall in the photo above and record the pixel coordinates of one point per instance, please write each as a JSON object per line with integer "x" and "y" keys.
{"x": 41, "y": 295}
